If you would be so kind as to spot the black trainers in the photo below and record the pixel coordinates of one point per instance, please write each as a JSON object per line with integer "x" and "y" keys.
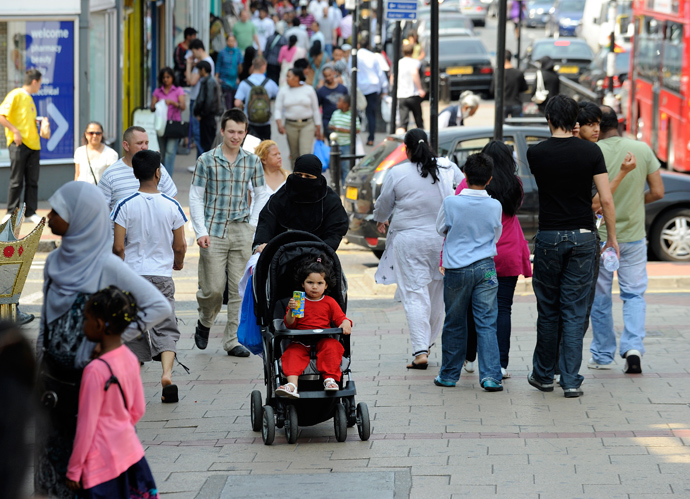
{"x": 570, "y": 393}
{"x": 239, "y": 351}
{"x": 633, "y": 362}
{"x": 544, "y": 387}
{"x": 201, "y": 336}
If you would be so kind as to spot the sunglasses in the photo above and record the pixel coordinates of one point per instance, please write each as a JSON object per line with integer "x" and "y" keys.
{"x": 94, "y": 133}
{"x": 305, "y": 175}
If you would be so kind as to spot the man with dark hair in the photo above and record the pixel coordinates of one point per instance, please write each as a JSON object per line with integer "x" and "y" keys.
{"x": 180, "y": 54}
{"x": 274, "y": 43}
{"x": 588, "y": 117}
{"x": 198, "y": 54}
{"x": 207, "y": 105}
{"x": 254, "y": 95}
{"x": 301, "y": 34}
{"x": 371, "y": 81}
{"x": 118, "y": 180}
{"x": 149, "y": 237}
{"x": 629, "y": 198}
{"x": 514, "y": 84}
{"x": 564, "y": 167}
{"x": 219, "y": 209}
{"x": 18, "y": 116}
{"x": 329, "y": 95}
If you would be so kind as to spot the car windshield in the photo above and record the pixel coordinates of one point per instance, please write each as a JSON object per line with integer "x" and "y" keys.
{"x": 562, "y": 49}
{"x": 455, "y": 47}
{"x": 572, "y": 6}
{"x": 372, "y": 160}
{"x": 453, "y": 23}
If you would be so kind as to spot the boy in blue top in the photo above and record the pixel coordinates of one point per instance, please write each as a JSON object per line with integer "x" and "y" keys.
{"x": 471, "y": 224}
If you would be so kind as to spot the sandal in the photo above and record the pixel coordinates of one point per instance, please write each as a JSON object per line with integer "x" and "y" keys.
{"x": 169, "y": 395}
{"x": 288, "y": 390}
{"x": 330, "y": 385}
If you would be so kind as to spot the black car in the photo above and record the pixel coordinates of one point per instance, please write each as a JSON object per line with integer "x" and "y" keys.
{"x": 571, "y": 56}
{"x": 595, "y": 79}
{"x": 666, "y": 220}
{"x": 466, "y": 63}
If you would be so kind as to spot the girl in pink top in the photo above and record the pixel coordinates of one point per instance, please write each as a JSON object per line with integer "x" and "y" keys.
{"x": 107, "y": 457}
{"x": 512, "y": 259}
{"x": 287, "y": 56}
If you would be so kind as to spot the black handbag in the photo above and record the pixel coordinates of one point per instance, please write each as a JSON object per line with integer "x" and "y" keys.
{"x": 176, "y": 129}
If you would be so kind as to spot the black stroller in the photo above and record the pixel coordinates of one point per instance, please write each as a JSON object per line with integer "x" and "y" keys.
{"x": 273, "y": 287}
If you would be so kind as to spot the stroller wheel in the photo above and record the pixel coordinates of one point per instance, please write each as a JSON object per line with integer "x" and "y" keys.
{"x": 268, "y": 429}
{"x": 363, "y": 427}
{"x": 340, "y": 423}
{"x": 291, "y": 428}
{"x": 256, "y": 410}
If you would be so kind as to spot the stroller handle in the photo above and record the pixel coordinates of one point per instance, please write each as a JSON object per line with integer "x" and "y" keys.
{"x": 287, "y": 333}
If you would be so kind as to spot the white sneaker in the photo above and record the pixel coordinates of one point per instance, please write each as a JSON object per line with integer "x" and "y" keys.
{"x": 6, "y": 218}
{"x": 34, "y": 219}
{"x": 191, "y": 169}
{"x": 593, "y": 364}
{"x": 505, "y": 373}
{"x": 469, "y": 366}
{"x": 633, "y": 362}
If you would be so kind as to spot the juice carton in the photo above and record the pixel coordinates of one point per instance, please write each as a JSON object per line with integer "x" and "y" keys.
{"x": 298, "y": 296}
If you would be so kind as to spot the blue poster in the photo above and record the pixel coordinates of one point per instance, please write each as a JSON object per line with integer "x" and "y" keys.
{"x": 50, "y": 49}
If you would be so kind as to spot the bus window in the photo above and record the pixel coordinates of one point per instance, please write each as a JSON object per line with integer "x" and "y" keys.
{"x": 673, "y": 57}
{"x": 648, "y": 49}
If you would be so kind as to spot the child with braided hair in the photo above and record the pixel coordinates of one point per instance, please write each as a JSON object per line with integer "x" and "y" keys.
{"x": 320, "y": 312}
{"x": 107, "y": 457}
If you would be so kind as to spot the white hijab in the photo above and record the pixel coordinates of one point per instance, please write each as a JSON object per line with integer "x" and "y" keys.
{"x": 75, "y": 267}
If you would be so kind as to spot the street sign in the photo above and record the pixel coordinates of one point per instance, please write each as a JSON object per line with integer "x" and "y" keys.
{"x": 50, "y": 49}
{"x": 401, "y": 10}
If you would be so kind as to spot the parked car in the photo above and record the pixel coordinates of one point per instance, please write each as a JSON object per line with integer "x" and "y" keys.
{"x": 466, "y": 63}
{"x": 595, "y": 79}
{"x": 667, "y": 220}
{"x": 572, "y": 57}
{"x": 476, "y": 10}
{"x": 538, "y": 13}
{"x": 566, "y": 18}
{"x": 450, "y": 23}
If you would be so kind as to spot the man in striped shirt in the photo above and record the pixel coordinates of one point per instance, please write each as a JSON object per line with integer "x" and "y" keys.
{"x": 118, "y": 181}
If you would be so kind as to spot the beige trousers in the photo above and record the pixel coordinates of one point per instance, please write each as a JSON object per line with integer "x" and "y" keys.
{"x": 300, "y": 137}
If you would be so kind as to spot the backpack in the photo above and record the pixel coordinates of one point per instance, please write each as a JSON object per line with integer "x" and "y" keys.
{"x": 259, "y": 105}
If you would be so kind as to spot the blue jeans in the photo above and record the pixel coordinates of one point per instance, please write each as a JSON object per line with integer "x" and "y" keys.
{"x": 168, "y": 149}
{"x": 476, "y": 282}
{"x": 328, "y": 49}
{"x": 372, "y": 106}
{"x": 344, "y": 164}
{"x": 632, "y": 279}
{"x": 563, "y": 273}
{"x": 195, "y": 131}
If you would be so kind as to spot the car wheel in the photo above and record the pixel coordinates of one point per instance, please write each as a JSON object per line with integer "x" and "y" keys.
{"x": 670, "y": 236}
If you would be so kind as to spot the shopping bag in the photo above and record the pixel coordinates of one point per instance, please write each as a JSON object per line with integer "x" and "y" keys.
{"x": 248, "y": 332}
{"x": 160, "y": 120}
{"x": 323, "y": 152}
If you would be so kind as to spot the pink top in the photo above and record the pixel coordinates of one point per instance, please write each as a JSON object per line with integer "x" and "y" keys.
{"x": 512, "y": 258}
{"x": 287, "y": 54}
{"x": 106, "y": 443}
{"x": 174, "y": 113}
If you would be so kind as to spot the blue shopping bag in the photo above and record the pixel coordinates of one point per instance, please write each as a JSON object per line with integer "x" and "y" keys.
{"x": 248, "y": 332}
{"x": 323, "y": 152}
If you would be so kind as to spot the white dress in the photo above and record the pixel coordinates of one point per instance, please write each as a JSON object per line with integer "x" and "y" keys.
{"x": 98, "y": 165}
{"x": 413, "y": 247}
{"x": 260, "y": 201}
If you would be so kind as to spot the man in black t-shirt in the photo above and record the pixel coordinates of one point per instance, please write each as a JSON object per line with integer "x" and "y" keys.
{"x": 566, "y": 244}
{"x": 514, "y": 84}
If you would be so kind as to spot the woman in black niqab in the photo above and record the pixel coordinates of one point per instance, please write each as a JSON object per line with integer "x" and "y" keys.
{"x": 304, "y": 203}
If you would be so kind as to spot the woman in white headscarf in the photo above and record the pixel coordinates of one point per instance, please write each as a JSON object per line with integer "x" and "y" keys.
{"x": 83, "y": 264}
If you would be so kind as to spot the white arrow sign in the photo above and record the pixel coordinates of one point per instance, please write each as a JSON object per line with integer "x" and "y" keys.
{"x": 62, "y": 126}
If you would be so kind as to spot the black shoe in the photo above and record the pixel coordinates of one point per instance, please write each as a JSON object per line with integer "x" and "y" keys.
{"x": 239, "y": 351}
{"x": 544, "y": 387}
{"x": 633, "y": 362}
{"x": 571, "y": 393}
{"x": 23, "y": 318}
{"x": 201, "y": 336}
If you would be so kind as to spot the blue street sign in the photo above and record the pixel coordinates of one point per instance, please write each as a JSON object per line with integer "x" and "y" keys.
{"x": 400, "y": 10}
{"x": 398, "y": 16}
{"x": 402, "y": 6}
{"x": 50, "y": 49}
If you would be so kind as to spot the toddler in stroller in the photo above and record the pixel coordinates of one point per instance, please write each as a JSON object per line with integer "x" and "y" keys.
{"x": 320, "y": 312}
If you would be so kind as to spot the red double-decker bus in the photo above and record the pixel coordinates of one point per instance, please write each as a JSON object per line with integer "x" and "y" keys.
{"x": 658, "y": 110}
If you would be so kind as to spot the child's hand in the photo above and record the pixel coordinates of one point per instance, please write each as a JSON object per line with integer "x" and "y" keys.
{"x": 72, "y": 485}
{"x": 346, "y": 326}
{"x": 293, "y": 304}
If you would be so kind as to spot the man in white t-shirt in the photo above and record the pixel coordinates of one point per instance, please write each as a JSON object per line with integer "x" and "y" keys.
{"x": 149, "y": 237}
{"x": 410, "y": 91}
{"x": 265, "y": 27}
{"x": 197, "y": 53}
{"x": 118, "y": 181}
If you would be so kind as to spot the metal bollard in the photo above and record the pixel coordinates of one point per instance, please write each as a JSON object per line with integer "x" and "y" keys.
{"x": 334, "y": 163}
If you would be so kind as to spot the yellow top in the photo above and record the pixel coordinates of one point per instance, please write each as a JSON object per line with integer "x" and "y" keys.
{"x": 20, "y": 110}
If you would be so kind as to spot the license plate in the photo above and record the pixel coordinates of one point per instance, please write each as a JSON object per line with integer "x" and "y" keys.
{"x": 460, "y": 70}
{"x": 351, "y": 193}
{"x": 568, "y": 69}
